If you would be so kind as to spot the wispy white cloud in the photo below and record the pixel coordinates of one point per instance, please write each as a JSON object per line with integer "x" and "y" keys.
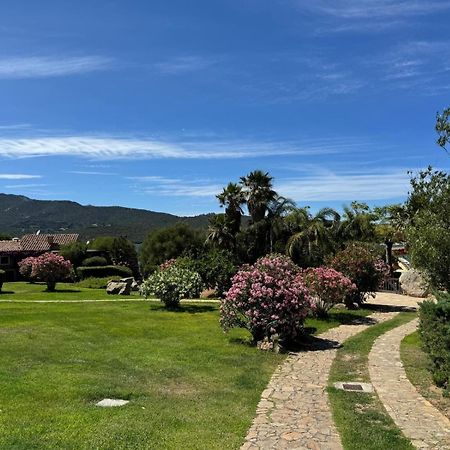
{"x": 372, "y": 9}
{"x": 346, "y": 186}
{"x": 111, "y": 148}
{"x": 51, "y": 66}
{"x": 25, "y": 186}
{"x": 367, "y": 16}
{"x": 185, "y": 64}
{"x": 177, "y": 187}
{"x": 92, "y": 172}
{"x": 17, "y": 176}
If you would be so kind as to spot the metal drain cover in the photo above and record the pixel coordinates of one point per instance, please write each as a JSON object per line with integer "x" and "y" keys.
{"x": 354, "y": 386}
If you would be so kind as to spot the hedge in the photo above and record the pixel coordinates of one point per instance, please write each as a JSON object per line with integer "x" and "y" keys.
{"x": 434, "y": 331}
{"x": 104, "y": 271}
{"x": 95, "y": 261}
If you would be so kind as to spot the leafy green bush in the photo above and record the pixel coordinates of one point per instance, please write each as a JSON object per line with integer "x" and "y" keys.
{"x": 103, "y": 272}
{"x": 172, "y": 284}
{"x": 2, "y": 278}
{"x": 434, "y": 329}
{"x": 215, "y": 267}
{"x": 361, "y": 264}
{"x": 97, "y": 283}
{"x": 95, "y": 261}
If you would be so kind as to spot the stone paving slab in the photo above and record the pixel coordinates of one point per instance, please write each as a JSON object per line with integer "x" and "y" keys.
{"x": 420, "y": 421}
{"x": 294, "y": 411}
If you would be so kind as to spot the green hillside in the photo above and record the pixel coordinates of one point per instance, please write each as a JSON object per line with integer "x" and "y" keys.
{"x": 20, "y": 215}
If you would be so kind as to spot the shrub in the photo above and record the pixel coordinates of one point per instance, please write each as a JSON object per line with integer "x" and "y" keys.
{"x": 97, "y": 283}
{"x": 172, "y": 285}
{"x": 215, "y": 267}
{"x": 364, "y": 268}
{"x": 2, "y": 278}
{"x": 51, "y": 268}
{"x": 327, "y": 287}
{"x": 103, "y": 272}
{"x": 434, "y": 329}
{"x": 267, "y": 298}
{"x": 95, "y": 261}
{"x": 25, "y": 267}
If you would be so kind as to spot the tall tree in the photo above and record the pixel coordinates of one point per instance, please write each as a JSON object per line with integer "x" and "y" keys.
{"x": 232, "y": 198}
{"x": 358, "y": 223}
{"x": 220, "y": 232}
{"x": 443, "y": 128}
{"x": 259, "y": 191}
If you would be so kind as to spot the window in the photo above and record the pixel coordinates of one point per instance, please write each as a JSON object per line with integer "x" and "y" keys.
{"x": 4, "y": 260}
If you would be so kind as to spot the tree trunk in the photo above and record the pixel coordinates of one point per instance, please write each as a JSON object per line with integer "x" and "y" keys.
{"x": 51, "y": 285}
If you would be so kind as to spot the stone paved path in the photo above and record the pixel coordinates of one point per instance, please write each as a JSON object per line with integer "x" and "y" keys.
{"x": 294, "y": 411}
{"x": 419, "y": 420}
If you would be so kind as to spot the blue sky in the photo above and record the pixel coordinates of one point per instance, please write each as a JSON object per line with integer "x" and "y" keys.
{"x": 157, "y": 104}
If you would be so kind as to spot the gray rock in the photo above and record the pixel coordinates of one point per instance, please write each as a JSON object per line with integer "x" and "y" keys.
{"x": 413, "y": 283}
{"x": 135, "y": 286}
{"x": 122, "y": 287}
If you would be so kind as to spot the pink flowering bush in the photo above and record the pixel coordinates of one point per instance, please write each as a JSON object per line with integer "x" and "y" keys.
{"x": 26, "y": 266}
{"x": 51, "y": 268}
{"x": 363, "y": 267}
{"x": 268, "y": 299}
{"x": 167, "y": 264}
{"x": 327, "y": 287}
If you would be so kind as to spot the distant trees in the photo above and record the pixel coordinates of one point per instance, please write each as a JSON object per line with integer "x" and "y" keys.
{"x": 74, "y": 252}
{"x": 167, "y": 243}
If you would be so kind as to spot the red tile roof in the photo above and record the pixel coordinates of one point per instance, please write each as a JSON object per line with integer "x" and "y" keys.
{"x": 10, "y": 246}
{"x": 38, "y": 243}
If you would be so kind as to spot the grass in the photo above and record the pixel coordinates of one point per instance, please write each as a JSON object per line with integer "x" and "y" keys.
{"x": 361, "y": 419}
{"x": 190, "y": 385}
{"x": 23, "y": 291}
{"x": 416, "y": 365}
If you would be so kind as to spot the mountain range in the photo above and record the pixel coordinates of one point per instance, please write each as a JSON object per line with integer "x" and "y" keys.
{"x": 20, "y": 215}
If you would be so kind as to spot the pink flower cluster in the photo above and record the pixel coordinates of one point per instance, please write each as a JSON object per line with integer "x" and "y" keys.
{"x": 48, "y": 267}
{"x": 327, "y": 287}
{"x": 167, "y": 264}
{"x": 268, "y": 298}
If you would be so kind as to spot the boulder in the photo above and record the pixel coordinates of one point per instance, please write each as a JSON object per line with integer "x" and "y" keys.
{"x": 413, "y": 283}
{"x": 135, "y": 286}
{"x": 122, "y": 287}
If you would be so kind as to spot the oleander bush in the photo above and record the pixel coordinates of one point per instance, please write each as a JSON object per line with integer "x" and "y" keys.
{"x": 434, "y": 329}
{"x": 95, "y": 261}
{"x": 327, "y": 287}
{"x": 51, "y": 268}
{"x": 364, "y": 268}
{"x": 267, "y": 298}
{"x": 172, "y": 284}
{"x": 2, "y": 278}
{"x": 25, "y": 267}
{"x": 104, "y": 271}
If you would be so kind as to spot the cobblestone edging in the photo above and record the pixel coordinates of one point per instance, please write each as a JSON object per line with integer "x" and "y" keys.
{"x": 294, "y": 411}
{"x": 418, "y": 419}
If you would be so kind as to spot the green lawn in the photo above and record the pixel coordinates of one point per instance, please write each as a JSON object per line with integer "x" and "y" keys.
{"x": 22, "y": 291}
{"x": 361, "y": 419}
{"x": 416, "y": 365}
{"x": 190, "y": 385}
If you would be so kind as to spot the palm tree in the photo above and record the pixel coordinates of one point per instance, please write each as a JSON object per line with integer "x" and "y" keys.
{"x": 232, "y": 197}
{"x": 220, "y": 233}
{"x": 277, "y": 209}
{"x": 259, "y": 192}
{"x": 312, "y": 236}
{"x": 358, "y": 223}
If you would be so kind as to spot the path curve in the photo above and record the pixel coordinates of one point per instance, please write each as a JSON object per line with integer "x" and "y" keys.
{"x": 419, "y": 420}
{"x": 294, "y": 411}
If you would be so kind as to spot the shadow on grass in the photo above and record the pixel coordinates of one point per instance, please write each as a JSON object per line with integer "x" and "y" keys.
{"x": 6, "y": 292}
{"x": 190, "y": 309}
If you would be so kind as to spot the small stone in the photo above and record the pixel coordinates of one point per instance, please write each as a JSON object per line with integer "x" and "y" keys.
{"x": 111, "y": 402}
